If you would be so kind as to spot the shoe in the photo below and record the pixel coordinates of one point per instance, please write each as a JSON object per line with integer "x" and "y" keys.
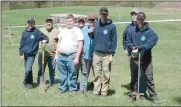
{"x": 94, "y": 94}
{"x": 24, "y": 84}
{"x": 132, "y": 98}
{"x": 104, "y": 95}
{"x": 30, "y": 86}
{"x": 80, "y": 92}
{"x": 155, "y": 100}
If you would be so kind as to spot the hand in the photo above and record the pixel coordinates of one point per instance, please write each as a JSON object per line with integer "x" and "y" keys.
{"x": 110, "y": 58}
{"x": 135, "y": 53}
{"x": 56, "y": 40}
{"x": 55, "y": 58}
{"x": 91, "y": 30}
{"x": 76, "y": 61}
{"x": 44, "y": 41}
{"x": 126, "y": 51}
{"x": 21, "y": 57}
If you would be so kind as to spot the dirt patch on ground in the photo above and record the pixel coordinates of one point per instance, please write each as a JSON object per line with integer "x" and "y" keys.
{"x": 169, "y": 5}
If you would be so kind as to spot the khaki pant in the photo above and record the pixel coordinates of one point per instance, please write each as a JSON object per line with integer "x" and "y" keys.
{"x": 102, "y": 73}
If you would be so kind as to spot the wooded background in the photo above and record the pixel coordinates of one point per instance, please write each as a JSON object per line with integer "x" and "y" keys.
{"x": 11, "y": 5}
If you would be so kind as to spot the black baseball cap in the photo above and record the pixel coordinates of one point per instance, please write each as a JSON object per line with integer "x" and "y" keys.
{"x": 48, "y": 20}
{"x": 141, "y": 15}
{"x": 31, "y": 21}
{"x": 103, "y": 10}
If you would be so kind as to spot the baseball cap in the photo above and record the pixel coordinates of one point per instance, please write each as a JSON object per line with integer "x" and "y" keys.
{"x": 48, "y": 20}
{"x": 103, "y": 10}
{"x": 31, "y": 21}
{"x": 134, "y": 11}
{"x": 81, "y": 19}
{"x": 92, "y": 16}
{"x": 141, "y": 15}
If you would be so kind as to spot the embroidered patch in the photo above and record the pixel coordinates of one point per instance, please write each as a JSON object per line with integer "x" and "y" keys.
{"x": 143, "y": 38}
{"x": 32, "y": 36}
{"x": 105, "y": 32}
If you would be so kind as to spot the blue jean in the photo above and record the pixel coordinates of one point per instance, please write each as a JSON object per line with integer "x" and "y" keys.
{"x": 67, "y": 73}
{"x": 84, "y": 69}
{"x": 28, "y": 63}
{"x": 51, "y": 66}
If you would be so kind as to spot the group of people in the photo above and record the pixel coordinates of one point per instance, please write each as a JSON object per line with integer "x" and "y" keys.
{"x": 88, "y": 46}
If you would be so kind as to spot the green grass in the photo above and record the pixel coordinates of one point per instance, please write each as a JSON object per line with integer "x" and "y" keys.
{"x": 166, "y": 61}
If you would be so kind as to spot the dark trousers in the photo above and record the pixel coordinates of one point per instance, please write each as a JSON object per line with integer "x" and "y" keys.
{"x": 147, "y": 71}
{"x": 28, "y": 63}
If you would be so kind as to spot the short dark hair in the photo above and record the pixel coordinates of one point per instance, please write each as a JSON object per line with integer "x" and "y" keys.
{"x": 49, "y": 21}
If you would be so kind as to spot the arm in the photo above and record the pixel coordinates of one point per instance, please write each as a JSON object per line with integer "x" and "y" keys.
{"x": 124, "y": 38}
{"x": 79, "y": 49}
{"x": 43, "y": 37}
{"x": 21, "y": 45}
{"x": 114, "y": 40}
{"x": 151, "y": 42}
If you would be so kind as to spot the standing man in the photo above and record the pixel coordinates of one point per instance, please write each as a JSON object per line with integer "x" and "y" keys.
{"x": 67, "y": 55}
{"x": 133, "y": 13}
{"x": 105, "y": 43}
{"x": 28, "y": 49}
{"x": 49, "y": 51}
{"x": 141, "y": 41}
{"x": 87, "y": 53}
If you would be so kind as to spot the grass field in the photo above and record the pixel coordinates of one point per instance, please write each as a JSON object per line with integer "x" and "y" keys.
{"x": 166, "y": 62}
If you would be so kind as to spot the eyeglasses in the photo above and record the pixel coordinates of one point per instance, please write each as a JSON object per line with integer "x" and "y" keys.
{"x": 91, "y": 20}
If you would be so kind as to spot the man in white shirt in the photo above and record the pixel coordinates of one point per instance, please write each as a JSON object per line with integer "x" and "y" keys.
{"x": 67, "y": 56}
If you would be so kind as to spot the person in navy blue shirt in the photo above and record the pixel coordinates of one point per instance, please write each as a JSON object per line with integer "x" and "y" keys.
{"x": 141, "y": 40}
{"x": 28, "y": 49}
{"x": 105, "y": 43}
{"x": 133, "y": 13}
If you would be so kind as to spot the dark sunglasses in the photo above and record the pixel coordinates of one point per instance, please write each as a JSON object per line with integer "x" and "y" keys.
{"x": 92, "y": 20}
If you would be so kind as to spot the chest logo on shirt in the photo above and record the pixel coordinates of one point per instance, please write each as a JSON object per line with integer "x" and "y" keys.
{"x": 105, "y": 32}
{"x": 32, "y": 36}
{"x": 143, "y": 38}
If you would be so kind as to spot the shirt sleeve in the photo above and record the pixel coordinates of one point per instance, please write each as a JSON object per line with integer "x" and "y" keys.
{"x": 80, "y": 35}
{"x": 59, "y": 36}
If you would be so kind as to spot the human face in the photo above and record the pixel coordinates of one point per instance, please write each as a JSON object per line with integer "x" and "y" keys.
{"x": 91, "y": 22}
{"x": 69, "y": 22}
{"x": 104, "y": 16}
{"x": 30, "y": 25}
{"x": 81, "y": 23}
{"x": 48, "y": 26}
{"x": 134, "y": 17}
{"x": 140, "y": 23}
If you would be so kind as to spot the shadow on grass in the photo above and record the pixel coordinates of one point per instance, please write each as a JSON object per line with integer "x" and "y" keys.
{"x": 127, "y": 86}
{"x": 178, "y": 100}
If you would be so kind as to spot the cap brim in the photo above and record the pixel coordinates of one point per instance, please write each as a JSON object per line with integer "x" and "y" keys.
{"x": 103, "y": 12}
{"x": 30, "y": 22}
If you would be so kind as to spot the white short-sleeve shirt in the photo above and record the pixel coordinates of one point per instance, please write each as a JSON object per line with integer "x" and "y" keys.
{"x": 69, "y": 40}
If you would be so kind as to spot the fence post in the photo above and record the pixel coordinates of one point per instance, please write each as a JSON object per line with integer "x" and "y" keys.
{"x": 9, "y": 31}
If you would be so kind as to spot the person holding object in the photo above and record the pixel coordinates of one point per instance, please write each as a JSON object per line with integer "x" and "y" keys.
{"x": 49, "y": 51}
{"x": 28, "y": 49}
{"x": 141, "y": 40}
{"x": 87, "y": 53}
{"x": 105, "y": 43}
{"x": 133, "y": 13}
{"x": 67, "y": 55}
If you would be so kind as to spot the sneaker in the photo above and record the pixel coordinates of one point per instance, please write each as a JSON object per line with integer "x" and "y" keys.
{"x": 132, "y": 98}
{"x": 30, "y": 86}
{"x": 24, "y": 84}
{"x": 104, "y": 95}
{"x": 155, "y": 100}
